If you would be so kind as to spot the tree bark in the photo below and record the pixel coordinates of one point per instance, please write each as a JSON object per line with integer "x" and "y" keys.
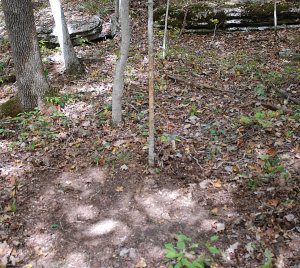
{"x": 121, "y": 64}
{"x": 165, "y": 31}
{"x": 72, "y": 64}
{"x": 117, "y": 10}
{"x": 32, "y": 83}
{"x": 275, "y": 19}
{"x": 151, "y": 80}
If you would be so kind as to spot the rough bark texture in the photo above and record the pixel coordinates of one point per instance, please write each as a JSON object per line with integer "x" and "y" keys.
{"x": 151, "y": 80}
{"x": 71, "y": 61}
{"x": 32, "y": 83}
{"x": 117, "y": 9}
{"x": 121, "y": 64}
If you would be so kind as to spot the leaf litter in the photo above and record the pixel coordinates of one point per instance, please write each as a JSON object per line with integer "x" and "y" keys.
{"x": 227, "y": 160}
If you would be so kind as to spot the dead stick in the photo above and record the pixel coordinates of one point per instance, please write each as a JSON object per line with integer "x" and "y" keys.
{"x": 193, "y": 84}
{"x": 276, "y": 108}
{"x": 285, "y": 94}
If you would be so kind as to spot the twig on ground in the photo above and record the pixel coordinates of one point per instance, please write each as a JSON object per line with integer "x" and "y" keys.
{"x": 276, "y": 108}
{"x": 285, "y": 94}
{"x": 193, "y": 84}
{"x": 132, "y": 106}
{"x": 196, "y": 160}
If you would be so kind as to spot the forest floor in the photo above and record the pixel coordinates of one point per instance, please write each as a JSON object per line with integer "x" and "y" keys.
{"x": 76, "y": 192}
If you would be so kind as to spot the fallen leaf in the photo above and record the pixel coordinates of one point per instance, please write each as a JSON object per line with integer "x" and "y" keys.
{"x": 249, "y": 248}
{"x": 233, "y": 247}
{"x": 119, "y": 142}
{"x": 289, "y": 217}
{"x": 12, "y": 180}
{"x": 220, "y": 226}
{"x": 13, "y": 193}
{"x": 217, "y": 184}
{"x": 141, "y": 263}
{"x": 7, "y": 209}
{"x": 214, "y": 211}
{"x": 70, "y": 167}
{"x": 124, "y": 167}
{"x": 119, "y": 189}
{"x": 272, "y": 203}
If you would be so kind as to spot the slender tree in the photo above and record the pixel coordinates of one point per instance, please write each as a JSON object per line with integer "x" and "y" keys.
{"x": 117, "y": 9}
{"x": 151, "y": 79}
{"x": 32, "y": 83}
{"x": 72, "y": 64}
{"x": 121, "y": 64}
{"x": 275, "y": 19}
{"x": 166, "y": 29}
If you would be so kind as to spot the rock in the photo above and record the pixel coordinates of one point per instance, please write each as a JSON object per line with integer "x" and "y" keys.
{"x": 231, "y": 17}
{"x": 80, "y": 31}
{"x": 132, "y": 253}
{"x": 124, "y": 251}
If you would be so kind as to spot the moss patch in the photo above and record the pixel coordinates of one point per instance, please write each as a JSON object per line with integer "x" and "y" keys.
{"x": 10, "y": 108}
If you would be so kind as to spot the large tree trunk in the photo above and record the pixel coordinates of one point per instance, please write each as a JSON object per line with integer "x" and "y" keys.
{"x": 120, "y": 68}
{"x": 71, "y": 61}
{"x": 30, "y": 75}
{"x": 151, "y": 82}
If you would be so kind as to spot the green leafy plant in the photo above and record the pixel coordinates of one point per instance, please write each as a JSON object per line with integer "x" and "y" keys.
{"x": 42, "y": 44}
{"x": 261, "y": 117}
{"x": 297, "y": 113}
{"x": 3, "y": 131}
{"x": 183, "y": 253}
{"x": 270, "y": 163}
{"x": 82, "y": 40}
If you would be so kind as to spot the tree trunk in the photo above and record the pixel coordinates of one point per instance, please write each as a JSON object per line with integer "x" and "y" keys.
{"x": 32, "y": 83}
{"x": 72, "y": 64}
{"x": 151, "y": 80}
{"x": 165, "y": 32}
{"x": 117, "y": 10}
{"x": 275, "y": 20}
{"x": 121, "y": 64}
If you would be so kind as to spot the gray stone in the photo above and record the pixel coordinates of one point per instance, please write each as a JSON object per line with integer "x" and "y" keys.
{"x": 80, "y": 31}
{"x": 231, "y": 17}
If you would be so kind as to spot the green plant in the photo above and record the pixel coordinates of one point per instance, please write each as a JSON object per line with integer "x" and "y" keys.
{"x": 82, "y": 40}
{"x": 297, "y": 113}
{"x": 215, "y": 22}
{"x": 3, "y": 131}
{"x": 270, "y": 164}
{"x": 252, "y": 183}
{"x": 263, "y": 118}
{"x": 42, "y": 44}
{"x": 194, "y": 110}
{"x": 184, "y": 254}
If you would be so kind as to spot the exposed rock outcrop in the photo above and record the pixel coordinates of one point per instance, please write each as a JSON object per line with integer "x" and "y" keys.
{"x": 231, "y": 17}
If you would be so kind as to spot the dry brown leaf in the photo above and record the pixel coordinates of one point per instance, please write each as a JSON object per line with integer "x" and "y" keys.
{"x": 120, "y": 189}
{"x": 214, "y": 211}
{"x": 141, "y": 264}
{"x": 272, "y": 203}
{"x": 217, "y": 184}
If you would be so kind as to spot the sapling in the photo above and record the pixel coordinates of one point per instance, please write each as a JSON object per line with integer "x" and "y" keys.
{"x": 215, "y": 22}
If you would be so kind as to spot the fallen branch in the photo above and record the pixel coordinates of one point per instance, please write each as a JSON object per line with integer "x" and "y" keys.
{"x": 285, "y": 94}
{"x": 196, "y": 85}
{"x": 276, "y": 108}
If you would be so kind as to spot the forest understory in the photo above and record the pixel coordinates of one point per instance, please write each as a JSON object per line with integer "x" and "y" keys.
{"x": 76, "y": 192}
